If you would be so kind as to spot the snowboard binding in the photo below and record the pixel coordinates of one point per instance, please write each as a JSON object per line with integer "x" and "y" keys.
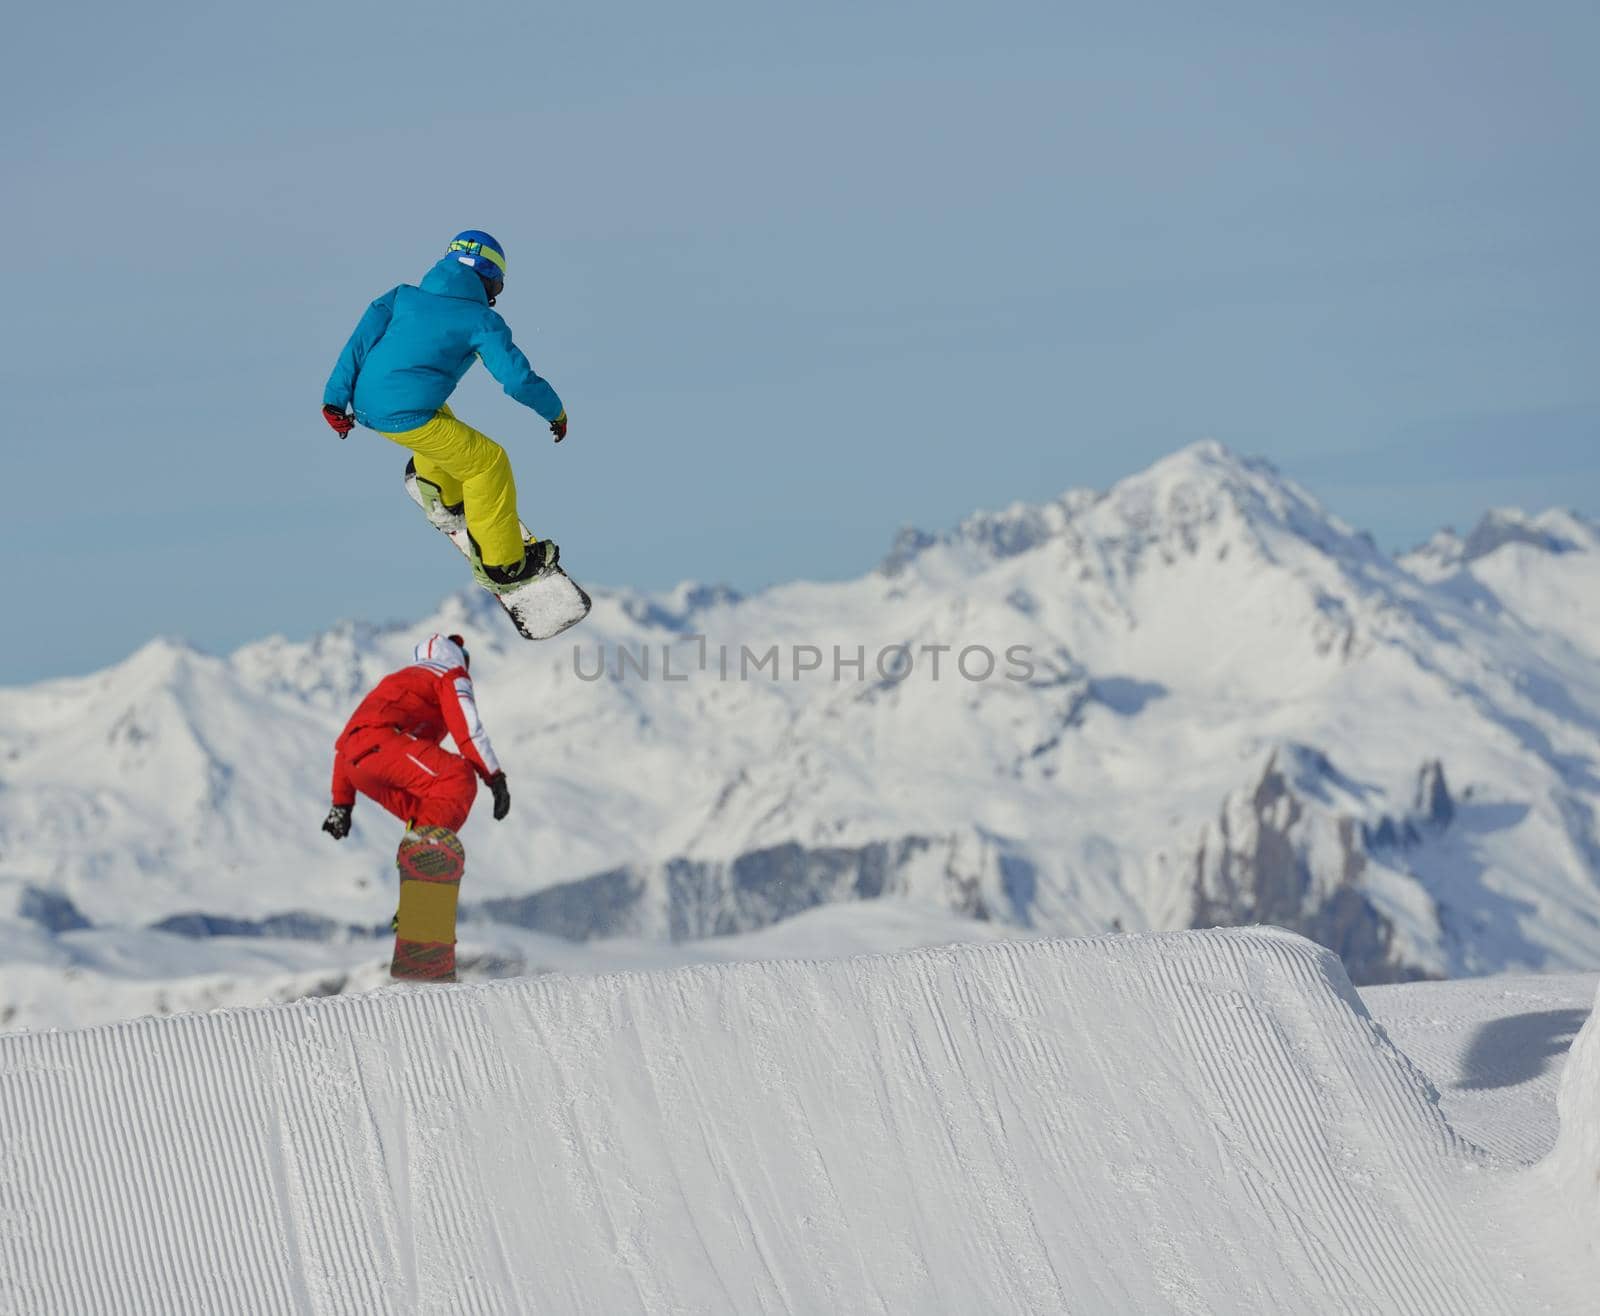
{"x": 539, "y": 558}
{"x": 538, "y": 596}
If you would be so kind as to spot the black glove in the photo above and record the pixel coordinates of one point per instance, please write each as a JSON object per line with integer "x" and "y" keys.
{"x": 558, "y": 427}
{"x": 337, "y": 823}
{"x": 502, "y": 795}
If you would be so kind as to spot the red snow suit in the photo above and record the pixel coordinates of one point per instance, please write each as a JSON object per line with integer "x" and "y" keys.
{"x": 390, "y": 751}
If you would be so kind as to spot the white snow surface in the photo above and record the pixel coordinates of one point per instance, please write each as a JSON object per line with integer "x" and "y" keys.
{"x": 98, "y": 975}
{"x": 1198, "y": 1122}
{"x": 1494, "y": 1048}
{"x": 1573, "y": 1169}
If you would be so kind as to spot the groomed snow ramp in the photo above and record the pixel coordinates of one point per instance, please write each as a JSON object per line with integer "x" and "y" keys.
{"x": 1570, "y": 1174}
{"x": 1197, "y": 1122}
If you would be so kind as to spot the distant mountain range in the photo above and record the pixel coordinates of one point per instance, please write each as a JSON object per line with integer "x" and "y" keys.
{"x": 1194, "y": 699}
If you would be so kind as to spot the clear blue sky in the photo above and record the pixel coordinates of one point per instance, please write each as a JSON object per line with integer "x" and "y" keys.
{"x": 802, "y": 274}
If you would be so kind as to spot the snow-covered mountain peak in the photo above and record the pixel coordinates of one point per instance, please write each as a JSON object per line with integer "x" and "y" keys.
{"x": 1553, "y": 531}
{"x": 158, "y": 663}
{"x": 989, "y": 536}
{"x": 1207, "y": 490}
{"x": 1543, "y": 569}
{"x": 1511, "y": 525}
{"x": 1437, "y": 557}
{"x": 1195, "y": 691}
{"x": 1202, "y": 495}
{"x": 682, "y": 609}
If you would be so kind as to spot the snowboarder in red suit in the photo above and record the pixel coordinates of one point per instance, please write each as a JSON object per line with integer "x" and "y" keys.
{"x": 389, "y": 751}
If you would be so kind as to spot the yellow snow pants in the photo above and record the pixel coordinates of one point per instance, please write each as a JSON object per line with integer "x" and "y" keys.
{"x": 470, "y": 467}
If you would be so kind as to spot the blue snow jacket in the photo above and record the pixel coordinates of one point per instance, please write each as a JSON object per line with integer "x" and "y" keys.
{"x": 413, "y": 345}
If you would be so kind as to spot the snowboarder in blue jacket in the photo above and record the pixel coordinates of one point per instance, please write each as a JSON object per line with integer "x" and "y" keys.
{"x": 402, "y": 363}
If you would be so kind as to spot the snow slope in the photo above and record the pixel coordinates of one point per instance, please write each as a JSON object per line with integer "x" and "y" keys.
{"x": 1494, "y": 1048}
{"x": 1189, "y": 1123}
{"x": 89, "y": 976}
{"x": 1571, "y": 1174}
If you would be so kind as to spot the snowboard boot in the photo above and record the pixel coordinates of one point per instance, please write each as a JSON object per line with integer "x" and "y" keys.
{"x": 431, "y": 861}
{"x": 539, "y": 558}
{"x": 448, "y": 517}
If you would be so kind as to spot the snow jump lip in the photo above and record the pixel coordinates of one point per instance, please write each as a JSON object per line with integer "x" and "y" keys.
{"x": 1183, "y": 1122}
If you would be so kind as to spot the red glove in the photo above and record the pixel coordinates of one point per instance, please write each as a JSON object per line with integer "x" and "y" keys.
{"x": 342, "y": 424}
{"x": 558, "y": 427}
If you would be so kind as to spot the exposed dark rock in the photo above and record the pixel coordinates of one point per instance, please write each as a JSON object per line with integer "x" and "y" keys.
{"x": 1387, "y": 834}
{"x": 717, "y": 898}
{"x": 696, "y": 599}
{"x": 1001, "y": 534}
{"x": 1433, "y": 803}
{"x": 1009, "y": 534}
{"x": 1432, "y": 810}
{"x": 1496, "y": 530}
{"x": 50, "y": 910}
{"x": 908, "y": 543}
{"x": 295, "y": 925}
{"x": 701, "y": 897}
{"x": 1023, "y": 602}
{"x": 603, "y": 905}
{"x": 1256, "y": 869}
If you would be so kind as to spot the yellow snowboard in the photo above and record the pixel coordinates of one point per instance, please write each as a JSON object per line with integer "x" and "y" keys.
{"x": 431, "y": 860}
